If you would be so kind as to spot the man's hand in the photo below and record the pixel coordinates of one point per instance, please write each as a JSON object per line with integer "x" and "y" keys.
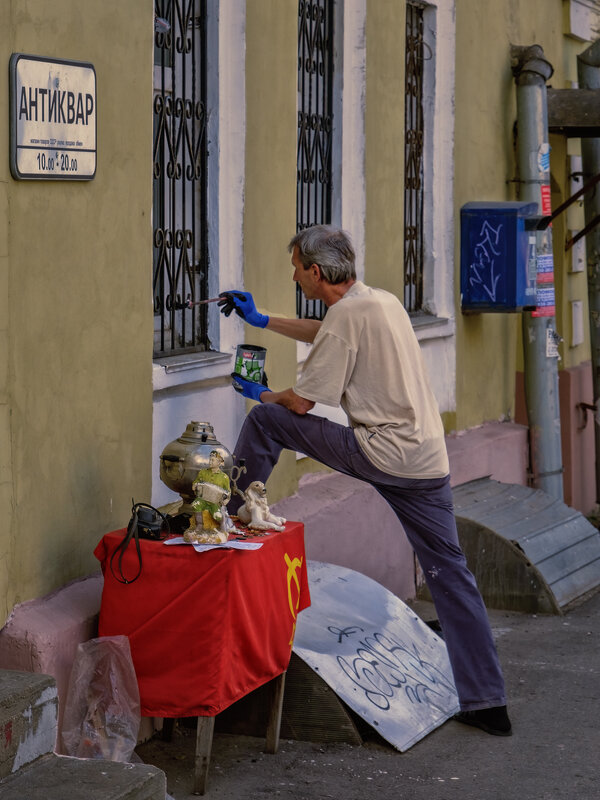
{"x": 249, "y": 389}
{"x": 243, "y": 305}
{"x": 291, "y": 400}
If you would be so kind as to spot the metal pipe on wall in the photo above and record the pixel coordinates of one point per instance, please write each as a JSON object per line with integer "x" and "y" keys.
{"x": 531, "y": 71}
{"x": 588, "y": 74}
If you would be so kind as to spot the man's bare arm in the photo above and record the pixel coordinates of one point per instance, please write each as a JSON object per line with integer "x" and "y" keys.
{"x": 303, "y": 330}
{"x": 289, "y": 399}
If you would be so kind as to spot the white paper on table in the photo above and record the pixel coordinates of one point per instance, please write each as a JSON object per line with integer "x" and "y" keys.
{"x": 234, "y": 544}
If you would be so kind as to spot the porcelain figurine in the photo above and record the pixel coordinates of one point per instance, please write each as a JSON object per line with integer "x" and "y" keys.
{"x": 210, "y": 523}
{"x": 255, "y": 513}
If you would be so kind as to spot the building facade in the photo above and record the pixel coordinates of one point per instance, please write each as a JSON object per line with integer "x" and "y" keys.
{"x": 222, "y": 127}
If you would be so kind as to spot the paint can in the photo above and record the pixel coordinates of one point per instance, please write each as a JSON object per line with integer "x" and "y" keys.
{"x": 250, "y": 362}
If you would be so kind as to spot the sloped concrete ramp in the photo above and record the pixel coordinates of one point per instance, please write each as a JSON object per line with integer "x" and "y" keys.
{"x": 528, "y": 551}
{"x": 381, "y": 659}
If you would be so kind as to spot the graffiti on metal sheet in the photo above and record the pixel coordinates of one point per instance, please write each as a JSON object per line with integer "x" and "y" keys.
{"x": 383, "y": 662}
{"x": 383, "y": 667}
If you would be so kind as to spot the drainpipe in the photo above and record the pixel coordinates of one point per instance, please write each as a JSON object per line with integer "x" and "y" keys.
{"x": 540, "y": 340}
{"x": 588, "y": 74}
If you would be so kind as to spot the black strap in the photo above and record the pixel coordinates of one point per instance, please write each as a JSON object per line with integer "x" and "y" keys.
{"x": 132, "y": 532}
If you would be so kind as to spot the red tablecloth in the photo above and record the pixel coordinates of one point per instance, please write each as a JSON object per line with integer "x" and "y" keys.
{"x": 205, "y": 629}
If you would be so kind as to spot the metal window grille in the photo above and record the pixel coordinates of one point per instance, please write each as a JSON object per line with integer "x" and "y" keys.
{"x": 413, "y": 160}
{"x": 315, "y": 126}
{"x": 180, "y": 177}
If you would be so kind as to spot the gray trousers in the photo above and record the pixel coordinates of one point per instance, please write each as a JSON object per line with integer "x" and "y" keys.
{"x": 423, "y": 506}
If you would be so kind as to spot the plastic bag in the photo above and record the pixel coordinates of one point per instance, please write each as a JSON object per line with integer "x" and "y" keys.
{"x": 102, "y": 712}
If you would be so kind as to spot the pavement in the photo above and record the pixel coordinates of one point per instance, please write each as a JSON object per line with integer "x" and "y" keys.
{"x": 552, "y": 670}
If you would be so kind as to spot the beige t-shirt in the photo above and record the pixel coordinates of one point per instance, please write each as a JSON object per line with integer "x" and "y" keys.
{"x": 367, "y": 359}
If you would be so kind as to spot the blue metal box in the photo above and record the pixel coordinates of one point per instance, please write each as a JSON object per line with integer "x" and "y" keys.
{"x": 498, "y": 256}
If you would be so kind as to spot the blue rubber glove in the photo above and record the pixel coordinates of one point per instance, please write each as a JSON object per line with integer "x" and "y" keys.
{"x": 243, "y": 305}
{"x": 247, "y": 388}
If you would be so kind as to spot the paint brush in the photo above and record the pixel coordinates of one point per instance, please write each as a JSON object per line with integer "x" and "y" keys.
{"x": 190, "y": 304}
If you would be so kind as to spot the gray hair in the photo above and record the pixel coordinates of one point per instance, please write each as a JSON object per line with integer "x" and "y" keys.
{"x": 328, "y": 247}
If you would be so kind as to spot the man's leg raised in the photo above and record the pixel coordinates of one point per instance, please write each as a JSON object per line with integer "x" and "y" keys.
{"x": 269, "y": 428}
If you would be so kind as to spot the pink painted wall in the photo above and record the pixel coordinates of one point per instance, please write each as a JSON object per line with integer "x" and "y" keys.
{"x": 498, "y": 450}
{"x": 42, "y": 635}
{"x": 577, "y": 436}
{"x": 347, "y": 523}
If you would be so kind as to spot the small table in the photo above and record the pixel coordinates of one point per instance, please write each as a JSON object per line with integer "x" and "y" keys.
{"x": 206, "y": 629}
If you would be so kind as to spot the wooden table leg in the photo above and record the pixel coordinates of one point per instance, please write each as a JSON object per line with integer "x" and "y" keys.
{"x": 204, "y": 737}
{"x": 276, "y": 688}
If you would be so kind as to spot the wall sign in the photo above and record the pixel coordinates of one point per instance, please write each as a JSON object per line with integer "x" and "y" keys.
{"x": 52, "y": 118}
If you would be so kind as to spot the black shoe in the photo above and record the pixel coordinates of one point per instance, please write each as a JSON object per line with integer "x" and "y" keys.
{"x": 491, "y": 720}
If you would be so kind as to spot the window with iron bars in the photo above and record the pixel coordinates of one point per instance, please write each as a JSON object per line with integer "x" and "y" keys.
{"x": 315, "y": 126}
{"x": 180, "y": 269}
{"x": 413, "y": 159}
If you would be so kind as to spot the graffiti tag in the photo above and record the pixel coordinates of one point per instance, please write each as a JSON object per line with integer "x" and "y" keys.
{"x": 483, "y": 270}
{"x": 383, "y": 667}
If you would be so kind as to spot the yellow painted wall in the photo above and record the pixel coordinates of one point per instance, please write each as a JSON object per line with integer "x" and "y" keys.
{"x": 384, "y": 145}
{"x": 489, "y": 348}
{"x": 76, "y": 308}
{"x": 270, "y": 194}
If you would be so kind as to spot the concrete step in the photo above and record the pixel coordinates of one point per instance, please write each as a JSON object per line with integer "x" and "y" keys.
{"x": 28, "y": 718}
{"x": 54, "y": 777}
{"x": 31, "y": 770}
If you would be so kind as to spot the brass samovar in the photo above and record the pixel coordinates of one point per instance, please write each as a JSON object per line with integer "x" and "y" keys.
{"x": 182, "y": 458}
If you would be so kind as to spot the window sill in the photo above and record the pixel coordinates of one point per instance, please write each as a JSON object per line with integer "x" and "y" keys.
{"x": 427, "y": 326}
{"x": 189, "y": 368}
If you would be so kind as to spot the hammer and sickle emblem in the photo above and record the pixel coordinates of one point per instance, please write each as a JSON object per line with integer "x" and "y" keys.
{"x": 292, "y": 565}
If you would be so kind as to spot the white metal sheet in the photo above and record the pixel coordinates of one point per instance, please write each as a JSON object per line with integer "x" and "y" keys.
{"x": 378, "y": 656}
